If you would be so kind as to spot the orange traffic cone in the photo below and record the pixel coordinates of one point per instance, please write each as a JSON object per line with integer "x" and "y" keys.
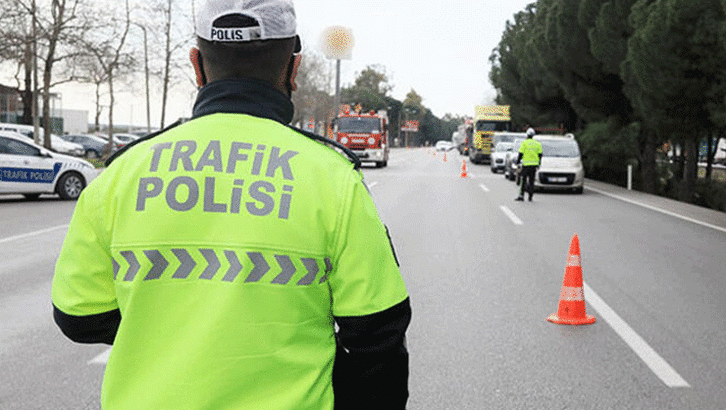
{"x": 571, "y": 310}
{"x": 444, "y": 157}
{"x": 463, "y": 169}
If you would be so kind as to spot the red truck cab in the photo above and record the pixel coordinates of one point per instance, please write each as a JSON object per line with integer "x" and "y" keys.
{"x": 365, "y": 134}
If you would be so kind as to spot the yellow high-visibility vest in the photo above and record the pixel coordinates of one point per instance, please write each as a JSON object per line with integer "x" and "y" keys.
{"x": 228, "y": 244}
{"x": 530, "y": 150}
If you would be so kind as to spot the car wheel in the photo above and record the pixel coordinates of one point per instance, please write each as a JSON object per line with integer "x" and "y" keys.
{"x": 579, "y": 190}
{"x": 31, "y": 197}
{"x": 70, "y": 186}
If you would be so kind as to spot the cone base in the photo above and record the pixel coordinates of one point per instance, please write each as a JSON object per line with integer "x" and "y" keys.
{"x": 587, "y": 320}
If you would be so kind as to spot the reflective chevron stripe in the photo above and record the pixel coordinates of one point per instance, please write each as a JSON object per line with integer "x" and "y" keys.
{"x": 235, "y": 267}
{"x": 133, "y": 265}
{"x": 328, "y": 269}
{"x": 156, "y": 264}
{"x": 187, "y": 263}
{"x": 288, "y": 269}
{"x": 312, "y": 266}
{"x": 213, "y": 264}
{"x": 159, "y": 264}
{"x": 261, "y": 267}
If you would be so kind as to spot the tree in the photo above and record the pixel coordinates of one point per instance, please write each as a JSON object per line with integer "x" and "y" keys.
{"x": 520, "y": 78}
{"x": 58, "y": 31}
{"x": 673, "y": 75}
{"x": 312, "y": 98}
{"x": 370, "y": 89}
{"x": 16, "y": 45}
{"x": 105, "y": 59}
{"x": 170, "y": 25}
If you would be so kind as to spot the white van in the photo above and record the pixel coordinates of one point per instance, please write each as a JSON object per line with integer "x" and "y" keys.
{"x": 57, "y": 143}
{"x": 561, "y": 166}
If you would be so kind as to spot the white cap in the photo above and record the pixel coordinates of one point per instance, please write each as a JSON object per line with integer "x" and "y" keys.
{"x": 246, "y": 20}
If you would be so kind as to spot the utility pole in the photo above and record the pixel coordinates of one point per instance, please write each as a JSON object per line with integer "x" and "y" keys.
{"x": 337, "y": 86}
{"x": 146, "y": 71}
{"x": 34, "y": 108}
{"x": 337, "y": 44}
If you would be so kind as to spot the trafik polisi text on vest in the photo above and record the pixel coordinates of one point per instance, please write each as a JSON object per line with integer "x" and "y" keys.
{"x": 182, "y": 192}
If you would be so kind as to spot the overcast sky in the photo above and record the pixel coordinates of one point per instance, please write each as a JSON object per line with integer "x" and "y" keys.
{"x": 440, "y": 49}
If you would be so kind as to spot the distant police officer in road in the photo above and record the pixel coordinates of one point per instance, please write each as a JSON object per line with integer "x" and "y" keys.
{"x": 530, "y": 155}
{"x": 218, "y": 256}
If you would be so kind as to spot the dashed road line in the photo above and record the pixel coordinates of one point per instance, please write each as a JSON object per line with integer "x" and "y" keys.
{"x": 663, "y": 211}
{"x": 652, "y": 359}
{"x": 29, "y": 234}
{"x": 511, "y": 215}
{"x": 372, "y": 184}
{"x": 484, "y": 187}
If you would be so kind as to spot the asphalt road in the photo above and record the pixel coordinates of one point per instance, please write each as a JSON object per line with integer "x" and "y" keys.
{"x": 483, "y": 273}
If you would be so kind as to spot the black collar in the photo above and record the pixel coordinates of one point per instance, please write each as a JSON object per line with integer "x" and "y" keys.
{"x": 244, "y": 96}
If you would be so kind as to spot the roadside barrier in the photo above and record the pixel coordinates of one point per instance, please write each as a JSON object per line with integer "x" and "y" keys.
{"x": 571, "y": 309}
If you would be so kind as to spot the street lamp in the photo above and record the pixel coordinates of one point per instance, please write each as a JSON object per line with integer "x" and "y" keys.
{"x": 146, "y": 70}
{"x": 336, "y": 43}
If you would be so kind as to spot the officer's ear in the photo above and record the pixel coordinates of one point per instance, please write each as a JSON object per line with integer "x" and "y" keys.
{"x": 195, "y": 56}
{"x": 295, "y": 65}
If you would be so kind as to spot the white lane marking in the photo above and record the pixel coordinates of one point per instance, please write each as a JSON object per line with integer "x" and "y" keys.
{"x": 655, "y": 362}
{"x": 483, "y": 187}
{"x": 511, "y": 215}
{"x": 372, "y": 184}
{"x": 663, "y": 211}
{"x": 29, "y": 234}
{"x": 101, "y": 358}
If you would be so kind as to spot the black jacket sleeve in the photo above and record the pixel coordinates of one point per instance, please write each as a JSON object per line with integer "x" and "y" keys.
{"x": 371, "y": 362}
{"x": 99, "y": 328}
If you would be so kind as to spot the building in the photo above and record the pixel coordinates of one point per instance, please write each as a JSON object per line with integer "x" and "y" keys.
{"x": 11, "y": 106}
{"x": 62, "y": 121}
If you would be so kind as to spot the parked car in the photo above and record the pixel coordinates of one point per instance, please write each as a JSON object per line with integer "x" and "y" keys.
{"x": 125, "y": 138}
{"x": 499, "y": 156}
{"x": 443, "y": 145}
{"x": 57, "y": 143}
{"x": 94, "y": 146}
{"x": 561, "y": 166}
{"x": 32, "y": 170}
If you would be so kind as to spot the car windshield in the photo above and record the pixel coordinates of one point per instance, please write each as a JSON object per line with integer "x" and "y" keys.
{"x": 503, "y": 147}
{"x": 359, "y": 124}
{"x": 560, "y": 149}
{"x": 505, "y": 137}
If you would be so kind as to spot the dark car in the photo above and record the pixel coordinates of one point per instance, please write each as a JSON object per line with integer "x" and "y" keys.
{"x": 94, "y": 146}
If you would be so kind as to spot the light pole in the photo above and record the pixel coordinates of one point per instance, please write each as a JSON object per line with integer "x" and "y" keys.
{"x": 146, "y": 71}
{"x": 337, "y": 44}
{"x": 34, "y": 108}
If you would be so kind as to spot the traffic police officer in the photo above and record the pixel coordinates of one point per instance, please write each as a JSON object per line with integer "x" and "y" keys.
{"x": 218, "y": 256}
{"x": 530, "y": 155}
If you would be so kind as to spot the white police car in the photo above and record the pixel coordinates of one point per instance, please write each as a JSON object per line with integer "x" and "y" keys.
{"x": 31, "y": 170}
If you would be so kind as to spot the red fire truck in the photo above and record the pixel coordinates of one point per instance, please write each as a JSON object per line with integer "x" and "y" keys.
{"x": 363, "y": 133}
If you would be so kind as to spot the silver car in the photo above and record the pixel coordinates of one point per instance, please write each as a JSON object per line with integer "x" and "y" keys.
{"x": 499, "y": 156}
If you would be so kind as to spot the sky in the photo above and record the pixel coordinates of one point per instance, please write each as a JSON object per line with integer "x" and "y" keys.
{"x": 439, "y": 49}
